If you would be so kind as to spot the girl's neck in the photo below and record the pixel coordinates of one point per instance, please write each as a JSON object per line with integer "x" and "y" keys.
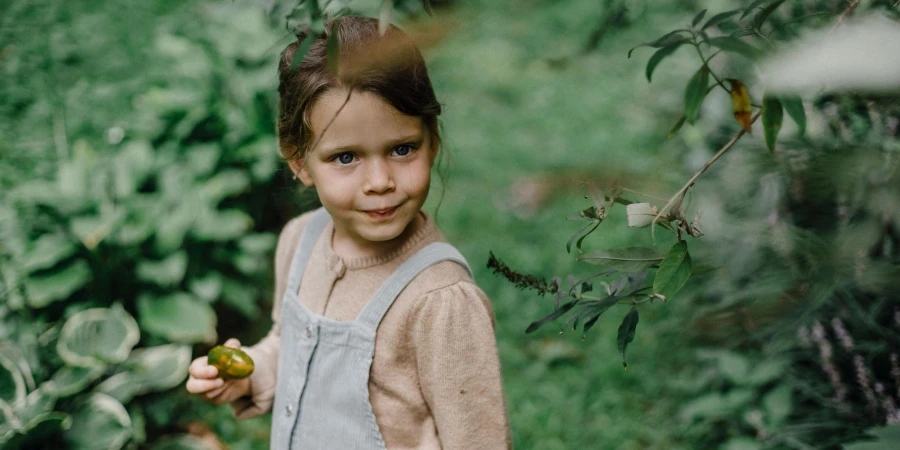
{"x": 349, "y": 249}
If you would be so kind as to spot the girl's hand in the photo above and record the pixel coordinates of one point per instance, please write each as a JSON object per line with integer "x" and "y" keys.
{"x": 203, "y": 380}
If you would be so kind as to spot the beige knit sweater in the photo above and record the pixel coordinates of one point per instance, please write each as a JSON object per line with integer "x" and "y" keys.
{"x": 435, "y": 378}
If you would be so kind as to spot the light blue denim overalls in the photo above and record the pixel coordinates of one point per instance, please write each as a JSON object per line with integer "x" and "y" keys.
{"x": 322, "y": 390}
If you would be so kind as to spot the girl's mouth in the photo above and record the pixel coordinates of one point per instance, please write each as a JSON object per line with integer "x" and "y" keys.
{"x": 382, "y": 214}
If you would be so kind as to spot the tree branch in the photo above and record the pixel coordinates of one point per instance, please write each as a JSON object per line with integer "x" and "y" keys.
{"x": 846, "y": 13}
{"x": 691, "y": 181}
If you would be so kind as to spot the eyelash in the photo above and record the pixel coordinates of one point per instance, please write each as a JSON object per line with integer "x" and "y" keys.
{"x": 411, "y": 147}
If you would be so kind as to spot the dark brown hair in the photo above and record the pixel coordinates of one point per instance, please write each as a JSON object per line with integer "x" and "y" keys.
{"x": 389, "y": 66}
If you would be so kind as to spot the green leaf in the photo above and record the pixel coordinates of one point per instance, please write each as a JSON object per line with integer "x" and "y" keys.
{"x": 698, "y": 18}
{"x": 886, "y": 438}
{"x": 46, "y": 251}
{"x": 221, "y": 225}
{"x": 760, "y": 18}
{"x": 97, "y": 336}
{"x": 752, "y": 6}
{"x": 302, "y": 50}
{"x": 179, "y": 317}
{"x": 12, "y": 383}
{"x": 208, "y": 287}
{"x": 735, "y": 45}
{"x": 385, "y": 16}
{"x": 667, "y": 39}
{"x": 99, "y": 422}
{"x": 626, "y": 332}
{"x": 794, "y": 108}
{"x": 778, "y": 404}
{"x": 225, "y": 184}
{"x": 551, "y": 317}
{"x": 674, "y": 271}
{"x": 428, "y": 9}
{"x": 630, "y": 259}
{"x": 733, "y": 366}
{"x": 766, "y": 371}
{"x": 694, "y": 94}
{"x": 676, "y": 127}
{"x": 589, "y": 311}
{"x": 333, "y": 50}
{"x": 167, "y": 272}
{"x": 241, "y": 297}
{"x": 580, "y": 235}
{"x": 160, "y": 367}
{"x": 59, "y": 285}
{"x": 772, "y": 115}
{"x": 261, "y": 243}
{"x": 119, "y": 386}
{"x": 40, "y": 401}
{"x": 69, "y": 380}
{"x": 38, "y": 431}
{"x": 742, "y": 443}
{"x": 719, "y": 18}
{"x": 658, "y": 56}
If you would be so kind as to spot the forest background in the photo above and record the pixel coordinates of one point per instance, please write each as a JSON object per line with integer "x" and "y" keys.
{"x": 142, "y": 193}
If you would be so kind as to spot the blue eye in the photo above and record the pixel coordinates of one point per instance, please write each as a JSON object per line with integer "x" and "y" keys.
{"x": 344, "y": 158}
{"x": 403, "y": 150}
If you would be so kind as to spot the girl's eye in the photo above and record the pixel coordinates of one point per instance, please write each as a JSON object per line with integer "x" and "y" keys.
{"x": 403, "y": 150}
{"x": 344, "y": 158}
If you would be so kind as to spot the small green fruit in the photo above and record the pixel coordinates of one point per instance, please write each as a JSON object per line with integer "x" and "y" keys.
{"x": 233, "y": 363}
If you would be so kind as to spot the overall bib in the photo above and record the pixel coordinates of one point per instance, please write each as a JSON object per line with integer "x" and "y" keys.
{"x": 322, "y": 389}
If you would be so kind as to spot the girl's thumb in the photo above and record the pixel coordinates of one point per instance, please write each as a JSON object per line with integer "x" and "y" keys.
{"x": 233, "y": 343}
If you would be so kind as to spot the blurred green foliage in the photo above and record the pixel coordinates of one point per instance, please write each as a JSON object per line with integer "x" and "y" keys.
{"x": 140, "y": 184}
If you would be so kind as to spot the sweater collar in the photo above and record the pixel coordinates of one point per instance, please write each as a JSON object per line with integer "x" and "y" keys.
{"x": 340, "y": 265}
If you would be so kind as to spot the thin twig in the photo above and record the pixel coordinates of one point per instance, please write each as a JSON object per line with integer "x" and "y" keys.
{"x": 640, "y": 193}
{"x": 709, "y": 69}
{"x": 846, "y": 13}
{"x": 690, "y": 182}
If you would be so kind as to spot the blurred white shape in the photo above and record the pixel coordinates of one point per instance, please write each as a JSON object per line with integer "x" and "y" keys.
{"x": 858, "y": 55}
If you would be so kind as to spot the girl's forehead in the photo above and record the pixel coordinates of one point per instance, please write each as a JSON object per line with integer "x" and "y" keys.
{"x": 363, "y": 118}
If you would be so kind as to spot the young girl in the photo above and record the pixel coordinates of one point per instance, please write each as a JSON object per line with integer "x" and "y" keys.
{"x": 380, "y": 338}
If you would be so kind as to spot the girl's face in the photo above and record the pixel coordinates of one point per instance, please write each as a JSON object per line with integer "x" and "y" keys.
{"x": 371, "y": 168}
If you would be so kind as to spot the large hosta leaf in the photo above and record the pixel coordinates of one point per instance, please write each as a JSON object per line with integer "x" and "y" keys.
{"x": 69, "y": 380}
{"x": 178, "y": 317}
{"x": 38, "y": 402}
{"x": 58, "y": 285}
{"x": 37, "y": 432}
{"x": 12, "y": 383}
{"x": 150, "y": 369}
{"x": 99, "y": 422}
{"x": 97, "y": 336}
{"x": 46, "y": 252}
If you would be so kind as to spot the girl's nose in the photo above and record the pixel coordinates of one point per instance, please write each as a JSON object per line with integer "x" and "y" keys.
{"x": 379, "y": 179}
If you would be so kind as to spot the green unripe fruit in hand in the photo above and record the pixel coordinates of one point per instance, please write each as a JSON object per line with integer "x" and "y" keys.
{"x": 233, "y": 363}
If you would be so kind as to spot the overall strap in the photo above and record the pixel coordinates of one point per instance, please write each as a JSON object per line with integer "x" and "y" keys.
{"x": 308, "y": 239}
{"x": 384, "y": 297}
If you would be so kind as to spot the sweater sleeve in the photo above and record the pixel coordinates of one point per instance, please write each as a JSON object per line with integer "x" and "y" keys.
{"x": 265, "y": 352}
{"x": 459, "y": 369}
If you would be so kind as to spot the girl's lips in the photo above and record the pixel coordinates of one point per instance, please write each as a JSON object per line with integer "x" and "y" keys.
{"x": 381, "y": 213}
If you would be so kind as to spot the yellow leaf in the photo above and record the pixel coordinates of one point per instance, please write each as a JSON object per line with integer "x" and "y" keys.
{"x": 740, "y": 104}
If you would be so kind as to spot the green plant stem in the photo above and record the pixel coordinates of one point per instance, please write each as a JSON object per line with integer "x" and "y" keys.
{"x": 691, "y": 181}
{"x": 709, "y": 69}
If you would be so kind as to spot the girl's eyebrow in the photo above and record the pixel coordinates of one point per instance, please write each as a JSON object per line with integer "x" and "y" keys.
{"x": 404, "y": 139}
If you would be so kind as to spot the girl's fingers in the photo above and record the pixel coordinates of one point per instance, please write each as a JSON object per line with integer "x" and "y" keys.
{"x": 201, "y": 369}
{"x": 199, "y": 386}
{"x": 233, "y": 343}
{"x": 212, "y": 394}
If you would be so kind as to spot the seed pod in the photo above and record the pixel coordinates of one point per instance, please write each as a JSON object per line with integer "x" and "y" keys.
{"x": 233, "y": 363}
